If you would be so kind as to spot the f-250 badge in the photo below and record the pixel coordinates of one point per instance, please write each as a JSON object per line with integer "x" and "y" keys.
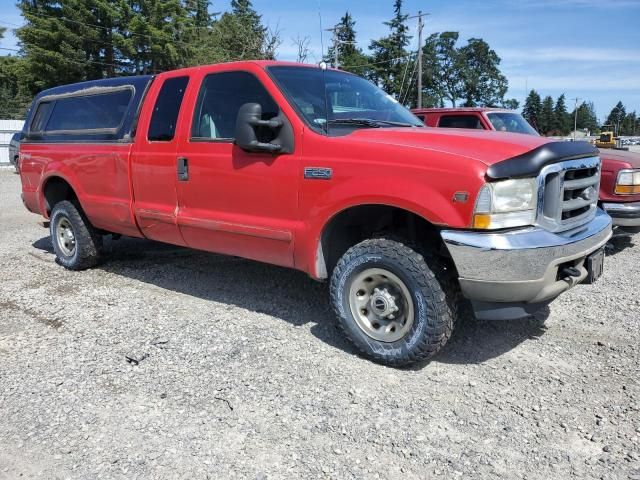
{"x": 317, "y": 173}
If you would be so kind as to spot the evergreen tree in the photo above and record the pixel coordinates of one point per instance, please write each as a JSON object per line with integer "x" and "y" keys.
{"x": 586, "y": 117}
{"x": 629, "y": 124}
{"x": 562, "y": 121}
{"x": 389, "y": 58}
{"x": 240, "y": 35}
{"x": 617, "y": 116}
{"x": 350, "y": 57}
{"x": 14, "y": 100}
{"x": 54, "y": 49}
{"x": 546, "y": 119}
{"x": 532, "y": 109}
{"x": 156, "y": 34}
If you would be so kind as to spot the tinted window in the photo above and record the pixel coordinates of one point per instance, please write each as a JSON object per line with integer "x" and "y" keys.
{"x": 460, "y": 121}
{"x": 166, "y": 109}
{"x": 90, "y": 112}
{"x": 40, "y": 117}
{"x": 221, "y": 96}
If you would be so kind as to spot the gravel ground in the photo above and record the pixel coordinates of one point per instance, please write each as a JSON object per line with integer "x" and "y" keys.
{"x": 170, "y": 363}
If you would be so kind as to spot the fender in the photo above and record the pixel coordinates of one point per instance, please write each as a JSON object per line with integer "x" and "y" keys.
{"x": 414, "y": 195}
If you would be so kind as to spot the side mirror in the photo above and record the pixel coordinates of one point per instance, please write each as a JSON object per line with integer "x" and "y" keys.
{"x": 248, "y": 121}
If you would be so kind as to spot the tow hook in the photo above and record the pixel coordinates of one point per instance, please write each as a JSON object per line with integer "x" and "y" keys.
{"x": 570, "y": 274}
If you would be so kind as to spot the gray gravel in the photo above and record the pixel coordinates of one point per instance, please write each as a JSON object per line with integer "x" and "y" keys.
{"x": 170, "y": 363}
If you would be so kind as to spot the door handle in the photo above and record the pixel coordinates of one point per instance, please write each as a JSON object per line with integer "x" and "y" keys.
{"x": 183, "y": 169}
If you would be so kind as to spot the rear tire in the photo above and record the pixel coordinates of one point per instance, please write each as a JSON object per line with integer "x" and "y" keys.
{"x": 390, "y": 304}
{"x": 76, "y": 243}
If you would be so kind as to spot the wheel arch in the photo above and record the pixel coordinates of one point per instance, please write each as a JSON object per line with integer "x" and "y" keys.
{"x": 355, "y": 223}
{"x": 56, "y": 188}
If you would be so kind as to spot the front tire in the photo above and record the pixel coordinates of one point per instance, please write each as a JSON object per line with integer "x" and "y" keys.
{"x": 390, "y": 304}
{"x": 75, "y": 242}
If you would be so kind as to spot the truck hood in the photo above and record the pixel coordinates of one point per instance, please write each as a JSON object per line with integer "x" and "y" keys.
{"x": 488, "y": 147}
{"x": 622, "y": 156}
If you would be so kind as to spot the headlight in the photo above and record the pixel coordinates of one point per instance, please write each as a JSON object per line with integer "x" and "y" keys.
{"x": 628, "y": 182}
{"x": 505, "y": 204}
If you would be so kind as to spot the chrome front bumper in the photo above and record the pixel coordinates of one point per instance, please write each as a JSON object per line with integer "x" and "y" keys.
{"x": 521, "y": 266}
{"x": 624, "y": 214}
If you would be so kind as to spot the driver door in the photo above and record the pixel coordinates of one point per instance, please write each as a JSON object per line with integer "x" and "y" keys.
{"x": 231, "y": 201}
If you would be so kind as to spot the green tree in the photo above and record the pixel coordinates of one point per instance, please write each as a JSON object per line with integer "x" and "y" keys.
{"x": 14, "y": 100}
{"x": 240, "y": 35}
{"x": 511, "y": 104}
{"x": 547, "y": 119}
{"x": 350, "y": 57}
{"x": 532, "y": 109}
{"x": 443, "y": 68}
{"x": 482, "y": 82}
{"x": 469, "y": 74}
{"x": 389, "y": 55}
{"x": 561, "y": 119}
{"x": 586, "y": 117}
{"x": 617, "y": 117}
{"x": 629, "y": 124}
{"x": 156, "y": 35}
{"x": 54, "y": 50}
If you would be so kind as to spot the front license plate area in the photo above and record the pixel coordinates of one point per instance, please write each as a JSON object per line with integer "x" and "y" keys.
{"x": 595, "y": 265}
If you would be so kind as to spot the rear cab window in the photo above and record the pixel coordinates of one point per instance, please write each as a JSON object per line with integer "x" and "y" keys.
{"x": 165, "y": 112}
{"x": 461, "y": 121}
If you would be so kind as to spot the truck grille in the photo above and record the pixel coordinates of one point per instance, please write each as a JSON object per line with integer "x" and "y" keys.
{"x": 568, "y": 194}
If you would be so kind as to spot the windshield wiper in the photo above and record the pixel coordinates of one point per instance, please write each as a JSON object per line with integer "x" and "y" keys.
{"x": 369, "y": 122}
{"x": 363, "y": 122}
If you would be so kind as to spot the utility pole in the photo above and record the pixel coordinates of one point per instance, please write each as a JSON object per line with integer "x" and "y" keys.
{"x": 575, "y": 117}
{"x": 420, "y": 27}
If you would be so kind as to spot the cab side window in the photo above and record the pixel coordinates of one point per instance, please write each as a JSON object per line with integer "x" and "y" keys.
{"x": 220, "y": 98}
{"x": 165, "y": 112}
{"x": 460, "y": 121}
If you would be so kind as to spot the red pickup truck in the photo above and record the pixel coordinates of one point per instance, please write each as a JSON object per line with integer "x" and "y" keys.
{"x": 620, "y": 185}
{"x": 321, "y": 171}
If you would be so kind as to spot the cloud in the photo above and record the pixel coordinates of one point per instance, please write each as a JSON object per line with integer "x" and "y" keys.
{"x": 579, "y": 3}
{"x": 593, "y": 81}
{"x": 570, "y": 54}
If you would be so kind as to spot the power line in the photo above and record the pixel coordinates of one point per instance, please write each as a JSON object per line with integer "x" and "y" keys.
{"x": 108, "y": 29}
{"x": 90, "y": 25}
{"x": 64, "y": 59}
{"x": 380, "y": 62}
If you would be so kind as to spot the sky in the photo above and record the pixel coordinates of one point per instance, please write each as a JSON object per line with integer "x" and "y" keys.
{"x": 588, "y": 49}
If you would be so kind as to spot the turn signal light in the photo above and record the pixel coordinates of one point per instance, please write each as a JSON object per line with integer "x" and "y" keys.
{"x": 627, "y": 189}
{"x": 481, "y": 220}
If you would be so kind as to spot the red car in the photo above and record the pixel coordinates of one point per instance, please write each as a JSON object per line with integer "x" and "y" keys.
{"x": 620, "y": 185}
{"x": 321, "y": 171}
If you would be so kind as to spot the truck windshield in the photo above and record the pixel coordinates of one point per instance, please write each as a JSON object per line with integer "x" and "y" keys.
{"x": 340, "y": 102}
{"x": 510, "y": 122}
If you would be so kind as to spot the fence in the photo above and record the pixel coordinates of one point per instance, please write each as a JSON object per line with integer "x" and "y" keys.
{"x": 7, "y": 129}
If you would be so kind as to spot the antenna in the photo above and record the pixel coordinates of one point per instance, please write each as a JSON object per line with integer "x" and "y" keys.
{"x": 321, "y": 34}
{"x": 323, "y": 67}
